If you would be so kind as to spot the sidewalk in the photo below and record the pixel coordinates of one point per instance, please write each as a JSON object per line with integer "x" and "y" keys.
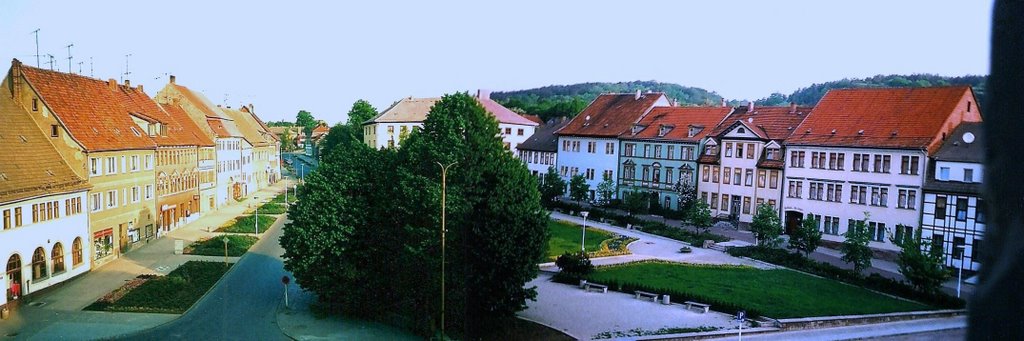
{"x": 865, "y": 331}
{"x": 60, "y": 308}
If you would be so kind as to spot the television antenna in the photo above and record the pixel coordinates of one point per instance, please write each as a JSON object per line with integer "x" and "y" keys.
{"x": 80, "y": 67}
{"x": 36, "y": 32}
{"x": 127, "y": 72}
{"x": 70, "y": 69}
{"x": 51, "y": 61}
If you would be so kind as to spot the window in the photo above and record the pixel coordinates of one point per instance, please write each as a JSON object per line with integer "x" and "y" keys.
{"x": 728, "y": 149}
{"x": 772, "y": 154}
{"x": 795, "y": 188}
{"x": 518, "y": 132}
{"x": 591, "y": 147}
{"x": 958, "y": 243}
{"x": 831, "y": 225}
{"x": 878, "y": 163}
{"x": 57, "y": 255}
{"x": 590, "y": 174}
{"x": 565, "y": 146}
{"x": 944, "y": 173}
{"x": 728, "y": 175}
{"x": 968, "y": 175}
{"x": 771, "y": 202}
{"x": 760, "y": 177}
{"x": 877, "y": 231}
{"x": 657, "y": 172}
{"x": 903, "y": 232}
{"x": 111, "y": 165}
{"x": 940, "y": 207}
{"x": 739, "y": 150}
{"x": 630, "y": 149}
{"x": 714, "y": 200}
{"x": 7, "y": 219}
{"x": 705, "y": 173}
{"x": 979, "y": 211}
{"x": 135, "y": 194}
{"x": 646, "y": 173}
{"x": 736, "y": 178}
{"x": 858, "y": 194}
{"x": 879, "y": 196}
{"x": 609, "y": 148}
{"x": 796, "y": 159}
{"x": 668, "y": 175}
{"x": 135, "y": 163}
{"x": 94, "y": 167}
{"x": 35, "y": 104}
{"x": 774, "y": 183}
{"x": 909, "y": 165}
{"x": 746, "y": 205}
{"x": 750, "y": 150}
{"x": 671, "y": 152}
{"x": 814, "y": 160}
{"x": 961, "y": 209}
{"x": 76, "y": 252}
{"x": 937, "y": 243}
{"x": 38, "y": 264}
{"x": 975, "y": 248}
{"x": 111, "y": 199}
{"x": 714, "y": 174}
{"x": 725, "y": 203}
{"x": 657, "y": 151}
{"x": 54, "y": 130}
{"x": 815, "y": 193}
{"x": 647, "y": 150}
{"x": 749, "y": 175}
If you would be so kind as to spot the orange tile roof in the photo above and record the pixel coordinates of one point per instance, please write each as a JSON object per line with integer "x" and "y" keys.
{"x": 250, "y": 130}
{"x": 94, "y": 112}
{"x": 32, "y": 167}
{"x": 181, "y": 126}
{"x": 769, "y": 123}
{"x": 610, "y": 115}
{"x": 198, "y": 100}
{"x": 906, "y": 118}
{"x": 218, "y": 127}
{"x": 679, "y": 119}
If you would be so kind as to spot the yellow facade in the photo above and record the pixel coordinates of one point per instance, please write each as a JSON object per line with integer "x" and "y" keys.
{"x": 122, "y": 202}
{"x": 177, "y": 186}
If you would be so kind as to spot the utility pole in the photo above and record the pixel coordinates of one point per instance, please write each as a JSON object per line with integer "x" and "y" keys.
{"x": 70, "y": 70}
{"x": 36, "y": 32}
{"x": 444, "y": 189}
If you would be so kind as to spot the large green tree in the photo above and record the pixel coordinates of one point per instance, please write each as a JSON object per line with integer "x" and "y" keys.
{"x": 305, "y": 120}
{"x": 552, "y": 186}
{"x": 635, "y": 202}
{"x": 578, "y": 188}
{"x": 605, "y": 189}
{"x": 766, "y": 226}
{"x": 923, "y": 268}
{"x": 699, "y": 215}
{"x": 361, "y": 112}
{"x": 855, "y": 248}
{"x": 806, "y": 237}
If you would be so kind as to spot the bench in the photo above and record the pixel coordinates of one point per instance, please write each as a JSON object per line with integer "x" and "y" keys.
{"x": 595, "y": 287}
{"x": 691, "y": 304}
{"x": 644, "y": 294}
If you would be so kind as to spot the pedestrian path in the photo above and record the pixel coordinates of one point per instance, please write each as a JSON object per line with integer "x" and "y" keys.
{"x": 64, "y": 303}
{"x": 863, "y": 331}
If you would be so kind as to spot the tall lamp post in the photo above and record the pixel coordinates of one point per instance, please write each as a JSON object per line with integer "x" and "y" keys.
{"x": 583, "y": 241}
{"x": 256, "y": 217}
{"x": 960, "y": 273}
{"x": 444, "y": 189}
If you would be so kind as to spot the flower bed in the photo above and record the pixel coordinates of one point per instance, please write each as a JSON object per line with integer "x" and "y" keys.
{"x": 237, "y": 246}
{"x": 247, "y": 224}
{"x": 173, "y": 293}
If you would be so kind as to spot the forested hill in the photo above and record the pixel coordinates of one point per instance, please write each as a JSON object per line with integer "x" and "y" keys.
{"x": 811, "y": 94}
{"x": 568, "y": 100}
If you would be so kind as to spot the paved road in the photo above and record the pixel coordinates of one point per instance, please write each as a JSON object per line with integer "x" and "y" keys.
{"x": 243, "y": 306}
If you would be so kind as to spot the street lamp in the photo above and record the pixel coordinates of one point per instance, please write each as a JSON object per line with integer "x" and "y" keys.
{"x": 960, "y": 273}
{"x": 257, "y": 216}
{"x": 583, "y": 241}
{"x": 444, "y": 189}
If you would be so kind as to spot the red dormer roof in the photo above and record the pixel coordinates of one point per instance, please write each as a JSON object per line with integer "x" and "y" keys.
{"x": 903, "y": 118}
{"x": 610, "y": 115}
{"x": 95, "y": 113}
{"x": 678, "y": 121}
{"x": 769, "y": 123}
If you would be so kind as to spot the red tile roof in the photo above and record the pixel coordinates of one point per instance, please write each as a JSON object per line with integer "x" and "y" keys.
{"x": 198, "y": 100}
{"x": 609, "y": 115}
{"x": 31, "y": 165}
{"x": 906, "y": 118}
{"x": 534, "y": 118}
{"x": 500, "y": 112}
{"x": 679, "y": 120}
{"x": 94, "y": 112}
{"x": 218, "y": 127}
{"x": 181, "y": 126}
{"x": 769, "y": 123}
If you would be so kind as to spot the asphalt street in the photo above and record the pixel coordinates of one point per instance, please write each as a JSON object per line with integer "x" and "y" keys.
{"x": 243, "y": 306}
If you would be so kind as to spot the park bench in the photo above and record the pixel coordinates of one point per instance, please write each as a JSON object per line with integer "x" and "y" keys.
{"x": 595, "y": 287}
{"x": 691, "y": 304}
{"x": 644, "y": 294}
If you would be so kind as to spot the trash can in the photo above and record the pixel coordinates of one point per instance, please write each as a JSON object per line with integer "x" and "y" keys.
{"x": 4, "y": 312}
{"x": 583, "y": 283}
{"x": 666, "y": 299}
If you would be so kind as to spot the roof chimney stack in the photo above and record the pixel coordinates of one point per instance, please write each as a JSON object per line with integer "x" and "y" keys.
{"x": 112, "y": 83}
{"x": 483, "y": 94}
{"x": 724, "y": 103}
{"x": 792, "y": 107}
{"x": 675, "y": 102}
{"x": 139, "y": 88}
{"x": 128, "y": 83}
{"x": 750, "y": 106}
{"x": 637, "y": 96}
{"x": 172, "y": 79}
{"x": 16, "y": 79}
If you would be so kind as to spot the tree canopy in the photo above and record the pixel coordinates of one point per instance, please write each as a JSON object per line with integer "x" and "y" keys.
{"x": 766, "y": 225}
{"x": 305, "y": 120}
{"x": 810, "y": 95}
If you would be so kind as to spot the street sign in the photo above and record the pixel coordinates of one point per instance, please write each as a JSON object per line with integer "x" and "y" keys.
{"x": 741, "y": 315}
{"x": 285, "y": 280}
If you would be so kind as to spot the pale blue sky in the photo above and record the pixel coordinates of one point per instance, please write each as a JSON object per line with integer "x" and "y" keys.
{"x": 288, "y": 55}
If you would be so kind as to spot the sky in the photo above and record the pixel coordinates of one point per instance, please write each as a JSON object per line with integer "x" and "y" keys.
{"x": 320, "y": 56}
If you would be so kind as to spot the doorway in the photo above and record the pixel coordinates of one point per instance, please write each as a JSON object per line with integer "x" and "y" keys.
{"x": 13, "y": 277}
{"x": 793, "y": 221}
{"x": 734, "y": 208}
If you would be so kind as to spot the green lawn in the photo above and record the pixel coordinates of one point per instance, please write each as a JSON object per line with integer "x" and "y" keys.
{"x": 279, "y": 199}
{"x": 566, "y": 237}
{"x": 273, "y": 208}
{"x": 237, "y": 246}
{"x": 775, "y": 293}
{"x": 247, "y": 224}
{"x": 173, "y": 293}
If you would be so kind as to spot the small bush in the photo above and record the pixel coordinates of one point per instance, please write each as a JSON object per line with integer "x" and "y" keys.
{"x": 575, "y": 265}
{"x": 273, "y": 208}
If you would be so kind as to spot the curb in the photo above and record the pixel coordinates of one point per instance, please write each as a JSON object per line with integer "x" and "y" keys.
{"x": 549, "y": 326}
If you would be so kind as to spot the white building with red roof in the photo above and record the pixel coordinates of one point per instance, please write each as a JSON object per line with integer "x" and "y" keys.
{"x": 866, "y": 151}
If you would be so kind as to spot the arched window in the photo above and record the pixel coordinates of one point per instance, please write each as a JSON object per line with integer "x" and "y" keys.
{"x": 76, "y": 252}
{"x": 657, "y": 172}
{"x": 38, "y": 264}
{"x": 57, "y": 255}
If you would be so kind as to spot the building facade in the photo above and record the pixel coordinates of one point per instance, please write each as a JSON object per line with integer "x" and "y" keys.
{"x": 741, "y": 166}
{"x": 953, "y": 212}
{"x": 588, "y": 144}
{"x": 658, "y": 155}
{"x": 540, "y": 151}
{"x": 863, "y": 153}
{"x": 44, "y": 232}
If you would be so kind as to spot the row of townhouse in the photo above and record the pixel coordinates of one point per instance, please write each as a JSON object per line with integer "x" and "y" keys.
{"x": 92, "y": 167}
{"x": 887, "y": 154}
{"x": 394, "y": 124}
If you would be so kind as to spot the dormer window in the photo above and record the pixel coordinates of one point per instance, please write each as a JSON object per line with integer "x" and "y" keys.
{"x": 741, "y": 130}
{"x": 151, "y": 129}
{"x": 663, "y": 130}
{"x": 162, "y": 128}
{"x": 772, "y": 154}
{"x": 637, "y": 128}
{"x": 711, "y": 150}
{"x": 694, "y": 131}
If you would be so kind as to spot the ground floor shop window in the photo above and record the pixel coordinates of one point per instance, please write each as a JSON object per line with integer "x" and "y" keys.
{"x": 13, "y": 277}
{"x": 58, "y": 258}
{"x": 76, "y": 252}
{"x": 103, "y": 243}
{"x": 39, "y": 264}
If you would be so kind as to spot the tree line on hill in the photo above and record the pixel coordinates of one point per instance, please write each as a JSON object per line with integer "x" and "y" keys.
{"x": 813, "y": 93}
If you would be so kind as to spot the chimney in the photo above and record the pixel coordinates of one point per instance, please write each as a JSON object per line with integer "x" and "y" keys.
{"x": 483, "y": 94}
{"x": 112, "y": 84}
{"x": 750, "y": 106}
{"x": 139, "y": 88}
{"x": 675, "y": 102}
{"x": 792, "y": 107}
{"x": 724, "y": 104}
{"x": 16, "y": 80}
{"x": 637, "y": 97}
{"x": 128, "y": 83}
{"x": 172, "y": 79}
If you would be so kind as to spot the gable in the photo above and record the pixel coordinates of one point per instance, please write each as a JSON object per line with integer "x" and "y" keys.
{"x": 740, "y": 130}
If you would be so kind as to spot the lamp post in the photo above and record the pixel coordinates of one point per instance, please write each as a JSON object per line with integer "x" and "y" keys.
{"x": 960, "y": 273}
{"x": 256, "y": 217}
{"x": 444, "y": 189}
{"x": 225, "y": 251}
{"x": 583, "y": 241}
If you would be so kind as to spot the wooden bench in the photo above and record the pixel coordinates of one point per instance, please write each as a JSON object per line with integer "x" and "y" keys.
{"x": 595, "y": 287}
{"x": 644, "y": 294}
{"x": 691, "y": 304}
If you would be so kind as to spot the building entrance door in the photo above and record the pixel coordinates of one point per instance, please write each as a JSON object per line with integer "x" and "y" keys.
{"x": 793, "y": 221}
{"x": 13, "y": 277}
{"x": 734, "y": 208}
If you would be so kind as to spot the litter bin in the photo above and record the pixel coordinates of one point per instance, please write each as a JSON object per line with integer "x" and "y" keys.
{"x": 4, "y": 312}
{"x": 583, "y": 283}
{"x": 666, "y": 299}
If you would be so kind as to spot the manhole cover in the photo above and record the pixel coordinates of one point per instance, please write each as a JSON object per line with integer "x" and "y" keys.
{"x": 37, "y": 304}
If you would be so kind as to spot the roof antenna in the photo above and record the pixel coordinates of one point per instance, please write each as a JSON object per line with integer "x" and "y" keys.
{"x": 90, "y": 67}
{"x": 36, "y": 32}
{"x": 70, "y": 68}
{"x": 127, "y": 72}
{"x": 80, "y": 67}
{"x": 51, "y": 61}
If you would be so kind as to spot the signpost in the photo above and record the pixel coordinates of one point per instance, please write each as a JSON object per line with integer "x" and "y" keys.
{"x": 285, "y": 280}
{"x": 741, "y": 317}
{"x": 225, "y": 251}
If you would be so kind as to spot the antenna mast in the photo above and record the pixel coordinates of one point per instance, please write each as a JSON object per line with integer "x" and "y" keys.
{"x": 127, "y": 73}
{"x": 36, "y": 32}
{"x": 70, "y": 69}
{"x": 80, "y": 67}
{"x": 51, "y": 61}
{"x": 90, "y": 67}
